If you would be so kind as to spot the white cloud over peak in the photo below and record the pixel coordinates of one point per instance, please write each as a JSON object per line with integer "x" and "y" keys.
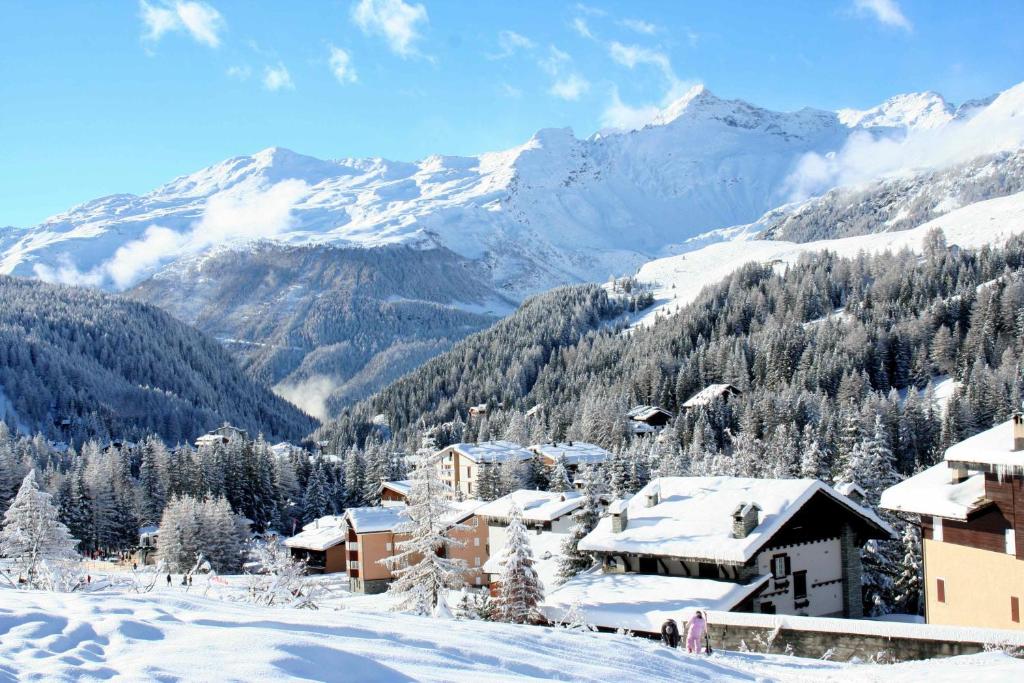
{"x": 198, "y": 19}
{"x": 886, "y": 12}
{"x": 618, "y": 114}
{"x": 398, "y": 22}
{"x": 340, "y": 62}
{"x": 277, "y": 78}
{"x": 244, "y": 212}
{"x": 622, "y": 116}
{"x": 571, "y": 87}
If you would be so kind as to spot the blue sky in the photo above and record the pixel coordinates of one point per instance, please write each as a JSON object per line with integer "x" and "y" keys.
{"x": 104, "y": 97}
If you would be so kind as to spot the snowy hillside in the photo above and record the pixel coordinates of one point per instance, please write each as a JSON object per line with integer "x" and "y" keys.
{"x": 556, "y": 209}
{"x": 677, "y": 280}
{"x": 171, "y": 636}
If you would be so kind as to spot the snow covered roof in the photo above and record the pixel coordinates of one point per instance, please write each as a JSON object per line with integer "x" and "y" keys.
{"x": 642, "y": 413}
{"x": 369, "y": 520}
{"x": 693, "y": 517}
{"x": 491, "y": 451}
{"x": 320, "y": 534}
{"x": 537, "y": 506}
{"x": 932, "y": 492}
{"x": 572, "y": 452}
{"x": 534, "y": 410}
{"x": 642, "y": 602}
{"x": 400, "y": 486}
{"x": 283, "y": 448}
{"x": 992, "y": 447}
{"x": 709, "y": 394}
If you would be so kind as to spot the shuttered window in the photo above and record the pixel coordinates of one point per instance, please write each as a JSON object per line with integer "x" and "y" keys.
{"x": 940, "y": 590}
{"x": 1015, "y": 610}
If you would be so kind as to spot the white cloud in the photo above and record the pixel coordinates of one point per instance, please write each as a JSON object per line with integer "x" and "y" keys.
{"x": 310, "y": 395}
{"x": 511, "y": 91}
{"x": 570, "y": 87}
{"x": 198, "y": 19}
{"x": 509, "y": 43}
{"x": 395, "y": 20}
{"x": 592, "y": 11}
{"x": 579, "y": 24}
{"x": 640, "y": 26}
{"x": 243, "y": 212}
{"x": 555, "y": 60}
{"x": 277, "y": 78}
{"x": 341, "y": 65}
{"x": 620, "y": 115}
{"x": 887, "y": 12}
{"x": 867, "y": 157}
{"x": 241, "y": 72}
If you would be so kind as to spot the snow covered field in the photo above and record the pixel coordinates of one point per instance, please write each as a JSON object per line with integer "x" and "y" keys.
{"x": 170, "y": 635}
{"x": 677, "y": 280}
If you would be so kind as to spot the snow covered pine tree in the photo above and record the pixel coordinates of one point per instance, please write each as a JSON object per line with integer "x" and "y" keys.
{"x": 421, "y": 571}
{"x": 34, "y": 538}
{"x": 519, "y": 589}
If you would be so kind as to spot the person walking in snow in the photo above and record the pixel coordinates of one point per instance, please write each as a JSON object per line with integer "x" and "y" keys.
{"x": 695, "y": 632}
{"x": 670, "y": 633}
{"x": 168, "y": 580}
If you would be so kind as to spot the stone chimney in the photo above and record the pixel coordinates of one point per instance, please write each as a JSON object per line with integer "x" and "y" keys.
{"x": 745, "y": 519}
{"x": 1018, "y": 432}
{"x": 617, "y": 510}
{"x": 653, "y": 497}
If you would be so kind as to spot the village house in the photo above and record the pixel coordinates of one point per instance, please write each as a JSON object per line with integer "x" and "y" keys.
{"x": 648, "y": 419}
{"x": 971, "y": 511}
{"x": 146, "y": 551}
{"x": 775, "y": 546}
{"x": 221, "y": 435}
{"x": 548, "y": 517}
{"x": 460, "y": 464}
{"x": 573, "y": 454}
{"x": 321, "y": 545}
{"x": 395, "y": 491}
{"x": 710, "y": 394}
{"x": 372, "y": 536}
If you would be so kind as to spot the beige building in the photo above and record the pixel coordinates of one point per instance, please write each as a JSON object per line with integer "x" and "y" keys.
{"x": 461, "y": 464}
{"x": 971, "y": 511}
{"x": 372, "y": 535}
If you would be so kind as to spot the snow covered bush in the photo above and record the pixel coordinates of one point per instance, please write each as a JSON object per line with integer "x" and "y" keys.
{"x": 275, "y": 578}
{"x": 41, "y": 548}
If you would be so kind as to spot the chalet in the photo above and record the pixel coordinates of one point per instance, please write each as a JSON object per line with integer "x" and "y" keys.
{"x": 374, "y": 532}
{"x": 146, "y": 551}
{"x": 395, "y": 491}
{"x": 221, "y": 435}
{"x": 710, "y": 394}
{"x": 573, "y": 454}
{"x": 785, "y": 546}
{"x": 460, "y": 464}
{"x": 321, "y": 544}
{"x": 971, "y": 511}
{"x": 547, "y": 516}
{"x": 478, "y": 410}
{"x": 648, "y": 419}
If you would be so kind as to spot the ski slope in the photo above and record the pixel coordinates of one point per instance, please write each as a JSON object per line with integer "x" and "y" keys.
{"x": 677, "y": 280}
{"x": 170, "y": 636}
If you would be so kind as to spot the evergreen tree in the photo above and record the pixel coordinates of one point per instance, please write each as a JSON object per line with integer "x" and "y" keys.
{"x": 33, "y": 536}
{"x": 519, "y": 589}
{"x": 558, "y": 479}
{"x": 574, "y": 560}
{"x": 421, "y": 567}
{"x": 315, "y": 502}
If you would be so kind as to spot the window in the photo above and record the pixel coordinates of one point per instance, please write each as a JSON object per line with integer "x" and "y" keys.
{"x": 648, "y": 565}
{"x": 476, "y": 542}
{"x": 780, "y": 566}
{"x": 476, "y": 561}
{"x": 940, "y": 590}
{"x": 767, "y": 608}
{"x": 476, "y": 581}
{"x": 707, "y": 570}
{"x": 387, "y": 546}
{"x": 469, "y": 471}
{"x": 800, "y": 585}
{"x": 353, "y": 564}
{"x": 1011, "y": 542}
{"x": 1015, "y": 610}
{"x": 936, "y": 528}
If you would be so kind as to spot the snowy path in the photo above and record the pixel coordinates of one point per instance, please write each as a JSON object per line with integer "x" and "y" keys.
{"x": 170, "y": 636}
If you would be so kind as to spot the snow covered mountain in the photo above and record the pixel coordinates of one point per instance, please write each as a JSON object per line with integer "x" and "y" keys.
{"x": 555, "y": 209}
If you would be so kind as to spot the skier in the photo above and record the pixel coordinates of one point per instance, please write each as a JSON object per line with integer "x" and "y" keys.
{"x": 168, "y": 580}
{"x": 696, "y": 631}
{"x": 670, "y": 633}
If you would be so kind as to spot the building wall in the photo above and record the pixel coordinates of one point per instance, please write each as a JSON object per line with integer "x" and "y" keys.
{"x": 372, "y": 548}
{"x": 978, "y": 586}
{"x": 823, "y": 563}
{"x": 473, "y": 551}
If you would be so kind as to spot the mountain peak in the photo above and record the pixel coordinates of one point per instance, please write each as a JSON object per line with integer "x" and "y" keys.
{"x": 697, "y": 96}
{"x": 924, "y": 110}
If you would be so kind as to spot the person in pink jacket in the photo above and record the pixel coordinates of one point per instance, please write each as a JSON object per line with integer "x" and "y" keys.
{"x": 696, "y": 631}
